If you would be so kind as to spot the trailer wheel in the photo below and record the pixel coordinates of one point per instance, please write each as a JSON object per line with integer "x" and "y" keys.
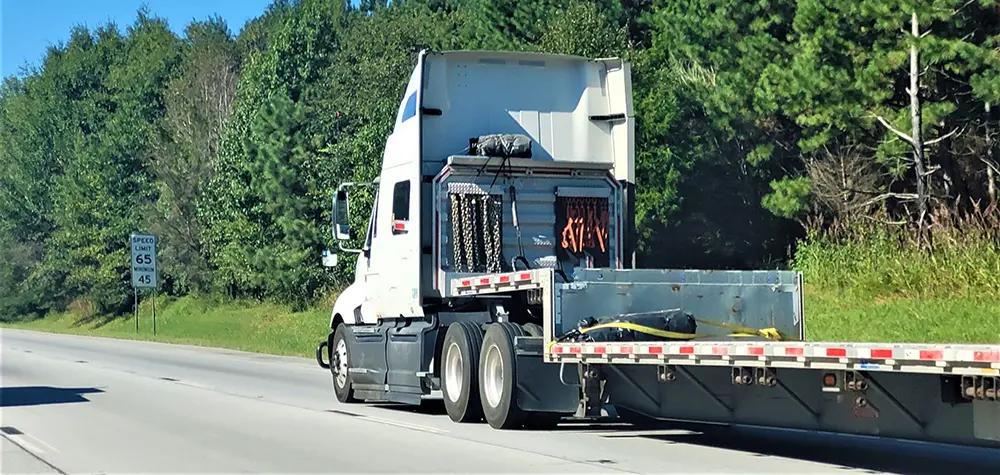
{"x": 339, "y": 360}
{"x": 460, "y": 371}
{"x": 498, "y": 376}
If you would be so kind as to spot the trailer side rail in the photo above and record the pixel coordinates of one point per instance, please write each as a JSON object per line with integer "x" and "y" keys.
{"x": 982, "y": 360}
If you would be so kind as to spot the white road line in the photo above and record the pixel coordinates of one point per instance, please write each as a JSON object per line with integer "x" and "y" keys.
{"x": 194, "y": 385}
{"x": 22, "y": 442}
{"x": 405, "y": 425}
{"x": 42, "y": 442}
{"x": 29, "y": 443}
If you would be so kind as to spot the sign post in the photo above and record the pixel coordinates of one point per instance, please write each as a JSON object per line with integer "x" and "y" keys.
{"x": 144, "y": 270}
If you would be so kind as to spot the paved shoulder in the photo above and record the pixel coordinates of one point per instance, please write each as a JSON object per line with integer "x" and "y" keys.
{"x": 97, "y": 405}
{"x": 15, "y": 459}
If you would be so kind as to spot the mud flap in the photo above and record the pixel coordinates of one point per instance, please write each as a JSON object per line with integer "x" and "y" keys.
{"x": 539, "y": 386}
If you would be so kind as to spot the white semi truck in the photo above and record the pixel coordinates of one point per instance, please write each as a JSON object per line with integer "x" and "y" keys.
{"x": 497, "y": 273}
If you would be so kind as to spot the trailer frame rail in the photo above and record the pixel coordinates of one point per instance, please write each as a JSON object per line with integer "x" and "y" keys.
{"x": 981, "y": 360}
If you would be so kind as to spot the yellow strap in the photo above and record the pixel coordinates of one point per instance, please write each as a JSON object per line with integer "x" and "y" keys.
{"x": 739, "y": 331}
{"x": 769, "y": 333}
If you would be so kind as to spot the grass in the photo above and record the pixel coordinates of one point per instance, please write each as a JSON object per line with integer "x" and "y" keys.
{"x": 274, "y": 329}
{"x": 246, "y": 326}
{"x": 872, "y": 282}
{"x": 863, "y": 283}
{"x": 837, "y": 316}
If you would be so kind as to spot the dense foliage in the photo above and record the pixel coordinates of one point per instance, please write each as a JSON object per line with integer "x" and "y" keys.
{"x": 757, "y": 122}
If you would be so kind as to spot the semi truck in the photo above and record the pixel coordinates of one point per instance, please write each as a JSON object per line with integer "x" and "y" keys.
{"x": 498, "y": 273}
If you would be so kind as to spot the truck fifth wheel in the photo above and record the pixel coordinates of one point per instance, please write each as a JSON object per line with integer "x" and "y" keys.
{"x": 497, "y": 272}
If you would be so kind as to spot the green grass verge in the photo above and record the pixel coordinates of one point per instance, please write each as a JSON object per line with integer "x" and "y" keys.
{"x": 865, "y": 284}
{"x": 274, "y": 329}
{"x": 842, "y": 316}
{"x": 246, "y": 326}
{"x": 873, "y": 283}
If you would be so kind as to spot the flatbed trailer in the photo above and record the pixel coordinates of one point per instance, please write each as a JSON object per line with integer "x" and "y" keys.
{"x": 563, "y": 328}
{"x": 930, "y": 392}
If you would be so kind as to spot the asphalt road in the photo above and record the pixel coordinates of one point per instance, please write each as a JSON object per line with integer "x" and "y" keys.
{"x": 75, "y": 404}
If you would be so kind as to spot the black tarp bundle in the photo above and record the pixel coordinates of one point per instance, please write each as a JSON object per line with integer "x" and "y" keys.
{"x": 663, "y": 325}
{"x": 501, "y": 145}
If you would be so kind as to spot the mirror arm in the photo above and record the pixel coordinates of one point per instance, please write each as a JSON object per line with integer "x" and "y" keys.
{"x": 340, "y": 244}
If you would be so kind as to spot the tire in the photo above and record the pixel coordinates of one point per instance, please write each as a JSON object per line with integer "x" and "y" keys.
{"x": 497, "y": 376}
{"x": 460, "y": 371}
{"x": 342, "y": 386}
{"x": 533, "y": 329}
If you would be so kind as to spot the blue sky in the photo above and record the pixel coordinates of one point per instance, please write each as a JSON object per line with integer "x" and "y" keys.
{"x": 28, "y": 27}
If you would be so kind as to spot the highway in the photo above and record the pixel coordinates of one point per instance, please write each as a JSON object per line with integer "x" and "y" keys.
{"x": 74, "y": 404}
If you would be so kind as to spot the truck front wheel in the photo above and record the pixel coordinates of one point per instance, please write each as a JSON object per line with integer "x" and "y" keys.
{"x": 339, "y": 367}
{"x": 459, "y": 371}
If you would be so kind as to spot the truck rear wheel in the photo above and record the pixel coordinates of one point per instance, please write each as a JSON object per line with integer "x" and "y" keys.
{"x": 498, "y": 376}
{"x": 460, "y": 371}
{"x": 339, "y": 366}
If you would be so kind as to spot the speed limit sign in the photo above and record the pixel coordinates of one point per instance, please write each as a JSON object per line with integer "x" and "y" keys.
{"x": 144, "y": 261}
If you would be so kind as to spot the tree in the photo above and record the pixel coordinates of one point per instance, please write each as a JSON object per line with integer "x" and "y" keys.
{"x": 198, "y": 105}
{"x": 106, "y": 187}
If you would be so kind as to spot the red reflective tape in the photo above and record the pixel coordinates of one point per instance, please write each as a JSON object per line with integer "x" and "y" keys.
{"x": 484, "y": 281}
{"x": 575, "y": 349}
{"x": 626, "y": 350}
{"x": 720, "y": 350}
{"x": 991, "y": 356}
{"x": 795, "y": 351}
{"x": 836, "y": 352}
{"x": 686, "y": 350}
{"x": 467, "y": 283}
{"x": 931, "y": 354}
{"x": 524, "y": 276}
{"x": 755, "y": 350}
{"x": 504, "y": 279}
{"x": 881, "y": 353}
{"x": 656, "y": 350}
{"x": 600, "y": 350}
{"x": 557, "y": 349}
{"x": 399, "y": 225}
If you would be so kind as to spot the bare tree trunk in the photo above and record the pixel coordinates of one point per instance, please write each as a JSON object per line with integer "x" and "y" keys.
{"x": 915, "y": 121}
{"x": 991, "y": 183}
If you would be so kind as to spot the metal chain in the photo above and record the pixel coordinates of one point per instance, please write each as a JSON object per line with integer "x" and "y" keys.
{"x": 492, "y": 237}
{"x": 456, "y": 233}
{"x": 467, "y": 236}
{"x": 477, "y": 248}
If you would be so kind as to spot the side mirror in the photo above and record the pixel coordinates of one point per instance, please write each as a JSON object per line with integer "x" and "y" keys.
{"x": 341, "y": 216}
{"x": 330, "y": 259}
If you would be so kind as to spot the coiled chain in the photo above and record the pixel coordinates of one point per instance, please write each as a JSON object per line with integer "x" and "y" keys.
{"x": 477, "y": 232}
{"x": 493, "y": 245}
{"x": 457, "y": 237}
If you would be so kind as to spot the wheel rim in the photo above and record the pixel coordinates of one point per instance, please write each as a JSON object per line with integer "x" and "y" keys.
{"x": 453, "y": 376}
{"x": 340, "y": 364}
{"x": 493, "y": 376}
